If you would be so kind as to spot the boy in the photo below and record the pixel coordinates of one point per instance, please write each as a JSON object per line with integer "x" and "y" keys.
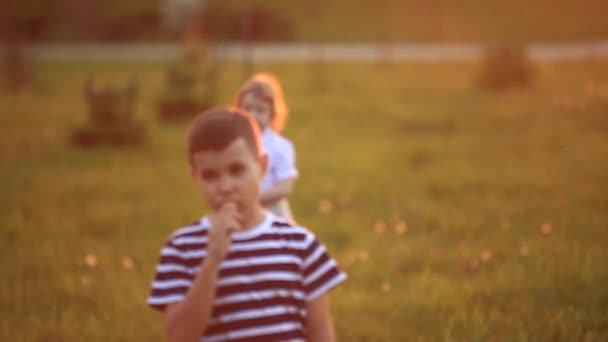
{"x": 241, "y": 273}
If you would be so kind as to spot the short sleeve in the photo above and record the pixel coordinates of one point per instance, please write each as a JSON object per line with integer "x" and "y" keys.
{"x": 173, "y": 277}
{"x": 320, "y": 270}
{"x": 285, "y": 161}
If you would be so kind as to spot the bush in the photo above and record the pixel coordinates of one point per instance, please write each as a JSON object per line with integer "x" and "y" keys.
{"x": 191, "y": 86}
{"x": 505, "y": 67}
{"x": 126, "y": 134}
{"x": 111, "y": 117}
{"x": 17, "y": 69}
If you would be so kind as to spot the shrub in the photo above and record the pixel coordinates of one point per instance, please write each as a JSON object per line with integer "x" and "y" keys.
{"x": 505, "y": 67}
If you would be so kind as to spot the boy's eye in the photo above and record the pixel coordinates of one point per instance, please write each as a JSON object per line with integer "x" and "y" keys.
{"x": 208, "y": 175}
{"x": 237, "y": 169}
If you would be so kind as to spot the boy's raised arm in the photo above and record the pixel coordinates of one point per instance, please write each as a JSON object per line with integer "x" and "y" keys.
{"x": 186, "y": 321}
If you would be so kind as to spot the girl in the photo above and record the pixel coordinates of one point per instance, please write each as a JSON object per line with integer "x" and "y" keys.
{"x": 262, "y": 96}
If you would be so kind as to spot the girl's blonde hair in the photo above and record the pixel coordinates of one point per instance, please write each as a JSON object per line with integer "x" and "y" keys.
{"x": 269, "y": 88}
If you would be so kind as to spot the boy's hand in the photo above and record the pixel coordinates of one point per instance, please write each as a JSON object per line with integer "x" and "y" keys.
{"x": 223, "y": 223}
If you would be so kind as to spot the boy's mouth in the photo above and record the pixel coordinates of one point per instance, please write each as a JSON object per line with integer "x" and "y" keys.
{"x": 222, "y": 203}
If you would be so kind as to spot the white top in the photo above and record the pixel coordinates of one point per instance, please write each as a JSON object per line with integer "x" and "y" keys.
{"x": 282, "y": 159}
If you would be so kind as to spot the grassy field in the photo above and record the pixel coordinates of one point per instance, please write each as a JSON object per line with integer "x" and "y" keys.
{"x": 459, "y": 214}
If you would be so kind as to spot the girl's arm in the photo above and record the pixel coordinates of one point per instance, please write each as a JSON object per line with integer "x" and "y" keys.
{"x": 279, "y": 191}
{"x": 284, "y": 169}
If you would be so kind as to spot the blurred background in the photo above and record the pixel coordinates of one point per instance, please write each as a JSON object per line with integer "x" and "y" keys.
{"x": 338, "y": 21}
{"x": 453, "y": 158}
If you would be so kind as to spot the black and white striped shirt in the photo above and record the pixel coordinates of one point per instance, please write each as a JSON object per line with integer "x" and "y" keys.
{"x": 264, "y": 284}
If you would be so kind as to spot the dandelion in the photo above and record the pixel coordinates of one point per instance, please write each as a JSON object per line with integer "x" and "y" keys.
{"x": 90, "y": 260}
{"x": 590, "y": 88}
{"x": 602, "y": 90}
{"x": 349, "y": 260}
{"x": 471, "y": 265}
{"x": 127, "y": 263}
{"x": 386, "y": 286}
{"x": 325, "y": 206}
{"x": 523, "y": 250}
{"x": 548, "y": 68}
{"x": 363, "y": 255}
{"x": 564, "y": 103}
{"x": 86, "y": 281}
{"x": 379, "y": 227}
{"x": 344, "y": 199}
{"x": 546, "y": 229}
{"x": 556, "y": 101}
{"x": 486, "y": 255}
{"x": 464, "y": 250}
{"x": 400, "y": 227}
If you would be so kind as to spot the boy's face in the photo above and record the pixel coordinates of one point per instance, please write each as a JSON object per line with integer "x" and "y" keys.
{"x": 260, "y": 108}
{"x": 229, "y": 175}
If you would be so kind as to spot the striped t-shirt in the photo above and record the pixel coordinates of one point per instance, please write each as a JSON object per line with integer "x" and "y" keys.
{"x": 264, "y": 284}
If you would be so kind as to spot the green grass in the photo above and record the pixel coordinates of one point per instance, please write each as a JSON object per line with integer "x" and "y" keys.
{"x": 471, "y": 173}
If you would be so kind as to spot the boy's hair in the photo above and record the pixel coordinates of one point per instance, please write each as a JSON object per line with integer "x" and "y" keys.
{"x": 269, "y": 88}
{"x": 217, "y": 128}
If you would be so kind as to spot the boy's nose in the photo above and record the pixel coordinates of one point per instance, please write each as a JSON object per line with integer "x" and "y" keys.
{"x": 225, "y": 184}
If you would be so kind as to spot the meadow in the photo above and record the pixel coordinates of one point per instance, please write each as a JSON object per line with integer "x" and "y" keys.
{"x": 459, "y": 214}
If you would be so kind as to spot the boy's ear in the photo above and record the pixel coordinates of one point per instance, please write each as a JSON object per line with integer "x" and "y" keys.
{"x": 192, "y": 173}
{"x": 264, "y": 161}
